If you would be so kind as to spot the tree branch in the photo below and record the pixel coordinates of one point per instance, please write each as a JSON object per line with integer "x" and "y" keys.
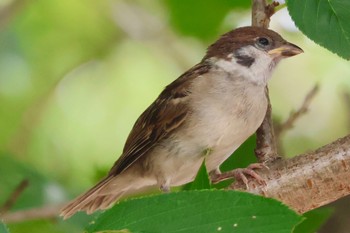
{"x": 266, "y": 149}
{"x": 307, "y": 181}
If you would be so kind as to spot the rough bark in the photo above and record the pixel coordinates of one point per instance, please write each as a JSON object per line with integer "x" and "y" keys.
{"x": 307, "y": 181}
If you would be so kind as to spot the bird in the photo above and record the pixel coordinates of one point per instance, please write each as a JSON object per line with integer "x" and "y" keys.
{"x": 204, "y": 115}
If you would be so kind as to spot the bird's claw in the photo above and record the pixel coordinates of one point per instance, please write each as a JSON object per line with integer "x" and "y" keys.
{"x": 240, "y": 174}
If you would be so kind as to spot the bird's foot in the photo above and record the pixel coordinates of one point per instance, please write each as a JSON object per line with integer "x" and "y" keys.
{"x": 165, "y": 188}
{"x": 240, "y": 174}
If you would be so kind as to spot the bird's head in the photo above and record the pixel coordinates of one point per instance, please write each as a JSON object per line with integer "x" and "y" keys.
{"x": 252, "y": 50}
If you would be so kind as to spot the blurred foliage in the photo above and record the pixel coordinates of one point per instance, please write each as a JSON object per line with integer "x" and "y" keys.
{"x": 3, "y": 228}
{"x": 313, "y": 220}
{"x": 74, "y": 76}
{"x": 201, "y": 19}
{"x": 12, "y": 173}
{"x": 201, "y": 181}
{"x": 242, "y": 157}
{"x": 45, "y": 40}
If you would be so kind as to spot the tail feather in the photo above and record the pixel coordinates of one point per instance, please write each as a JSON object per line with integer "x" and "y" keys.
{"x": 96, "y": 198}
{"x": 109, "y": 200}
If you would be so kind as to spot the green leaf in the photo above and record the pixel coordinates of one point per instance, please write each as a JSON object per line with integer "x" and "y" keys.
{"x": 3, "y": 228}
{"x": 201, "y": 19}
{"x": 325, "y": 22}
{"x": 201, "y": 181}
{"x": 198, "y": 212}
{"x": 313, "y": 220}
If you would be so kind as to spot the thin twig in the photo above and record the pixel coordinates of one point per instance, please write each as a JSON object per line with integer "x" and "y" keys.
{"x": 347, "y": 103}
{"x": 295, "y": 115}
{"x": 46, "y": 212}
{"x": 14, "y": 196}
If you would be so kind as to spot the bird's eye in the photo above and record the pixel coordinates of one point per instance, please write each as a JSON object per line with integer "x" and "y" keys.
{"x": 263, "y": 42}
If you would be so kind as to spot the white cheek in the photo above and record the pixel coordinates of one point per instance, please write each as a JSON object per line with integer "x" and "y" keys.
{"x": 229, "y": 66}
{"x": 259, "y": 72}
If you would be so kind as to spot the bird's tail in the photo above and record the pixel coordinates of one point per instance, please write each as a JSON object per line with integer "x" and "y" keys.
{"x": 99, "y": 197}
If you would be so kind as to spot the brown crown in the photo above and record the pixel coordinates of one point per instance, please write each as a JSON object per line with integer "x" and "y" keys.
{"x": 240, "y": 37}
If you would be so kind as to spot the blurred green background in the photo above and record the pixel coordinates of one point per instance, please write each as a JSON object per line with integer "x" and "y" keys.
{"x": 75, "y": 75}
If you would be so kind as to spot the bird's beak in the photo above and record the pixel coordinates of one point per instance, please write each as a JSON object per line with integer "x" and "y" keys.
{"x": 286, "y": 50}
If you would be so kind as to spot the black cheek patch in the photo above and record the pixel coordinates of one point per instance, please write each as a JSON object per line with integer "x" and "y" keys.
{"x": 244, "y": 60}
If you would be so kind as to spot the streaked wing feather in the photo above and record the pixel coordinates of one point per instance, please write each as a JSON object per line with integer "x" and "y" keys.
{"x": 159, "y": 120}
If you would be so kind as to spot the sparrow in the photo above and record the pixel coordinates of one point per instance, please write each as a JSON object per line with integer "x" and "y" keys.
{"x": 205, "y": 114}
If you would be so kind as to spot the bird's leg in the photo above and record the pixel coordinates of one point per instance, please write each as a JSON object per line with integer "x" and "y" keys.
{"x": 239, "y": 174}
{"x": 165, "y": 186}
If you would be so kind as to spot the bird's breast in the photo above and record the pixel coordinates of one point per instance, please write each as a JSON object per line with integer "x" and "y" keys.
{"x": 224, "y": 118}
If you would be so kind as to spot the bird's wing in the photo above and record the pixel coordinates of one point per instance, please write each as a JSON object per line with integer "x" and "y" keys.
{"x": 159, "y": 120}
